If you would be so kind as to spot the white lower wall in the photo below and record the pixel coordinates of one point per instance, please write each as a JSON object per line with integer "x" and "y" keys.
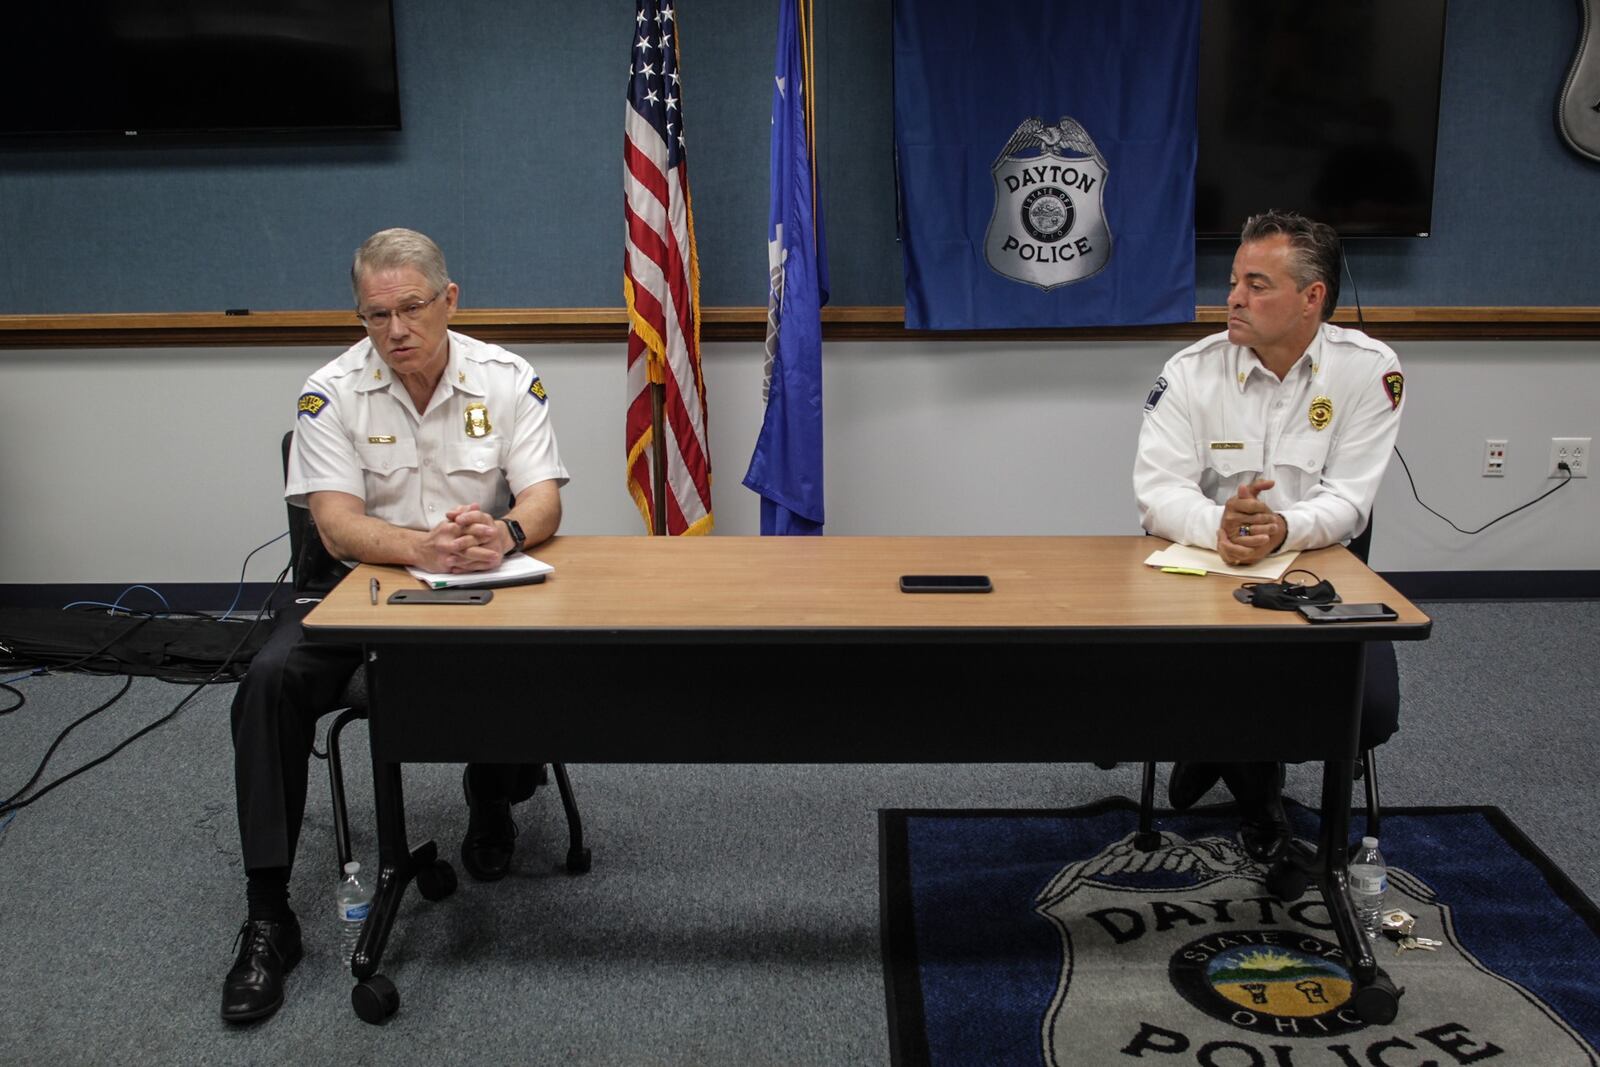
{"x": 161, "y": 465}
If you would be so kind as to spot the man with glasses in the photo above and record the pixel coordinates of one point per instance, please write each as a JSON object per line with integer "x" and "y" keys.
{"x": 409, "y": 448}
{"x": 1273, "y": 437}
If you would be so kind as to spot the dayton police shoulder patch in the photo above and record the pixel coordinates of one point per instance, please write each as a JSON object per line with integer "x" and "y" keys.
{"x": 311, "y": 404}
{"x": 536, "y": 390}
{"x": 1394, "y": 386}
{"x": 1154, "y": 398}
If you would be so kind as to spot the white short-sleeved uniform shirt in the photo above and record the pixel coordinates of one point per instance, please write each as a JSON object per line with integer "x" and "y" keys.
{"x": 485, "y": 435}
{"x": 1218, "y": 419}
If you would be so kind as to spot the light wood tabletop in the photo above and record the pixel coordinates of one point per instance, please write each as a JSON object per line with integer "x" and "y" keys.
{"x": 842, "y": 584}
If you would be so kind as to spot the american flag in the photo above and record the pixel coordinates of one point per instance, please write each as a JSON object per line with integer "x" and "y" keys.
{"x": 661, "y": 283}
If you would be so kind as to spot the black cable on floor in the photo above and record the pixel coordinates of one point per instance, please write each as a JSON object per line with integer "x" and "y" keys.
{"x": 12, "y": 803}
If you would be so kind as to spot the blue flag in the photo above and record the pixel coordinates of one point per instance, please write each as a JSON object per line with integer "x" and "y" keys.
{"x": 1046, "y": 159}
{"x": 786, "y": 468}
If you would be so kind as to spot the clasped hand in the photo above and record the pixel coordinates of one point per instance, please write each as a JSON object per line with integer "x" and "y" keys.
{"x": 1250, "y": 530}
{"x": 467, "y": 540}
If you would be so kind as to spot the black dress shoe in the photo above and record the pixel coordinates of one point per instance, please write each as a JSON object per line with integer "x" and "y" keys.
{"x": 491, "y": 836}
{"x": 1263, "y": 824}
{"x": 267, "y": 951}
{"x": 1190, "y": 782}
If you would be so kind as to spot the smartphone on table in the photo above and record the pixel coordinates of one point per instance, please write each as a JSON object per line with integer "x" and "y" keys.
{"x": 1347, "y": 612}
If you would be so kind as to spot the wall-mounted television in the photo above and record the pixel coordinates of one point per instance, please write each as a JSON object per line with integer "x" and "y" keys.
{"x": 134, "y": 67}
{"x": 1329, "y": 109}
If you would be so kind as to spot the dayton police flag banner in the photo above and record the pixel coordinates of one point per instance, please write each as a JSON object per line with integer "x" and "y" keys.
{"x": 1046, "y": 158}
{"x": 786, "y": 468}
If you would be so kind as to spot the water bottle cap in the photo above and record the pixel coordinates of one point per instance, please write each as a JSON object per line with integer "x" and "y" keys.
{"x": 1369, "y": 842}
{"x": 352, "y": 867}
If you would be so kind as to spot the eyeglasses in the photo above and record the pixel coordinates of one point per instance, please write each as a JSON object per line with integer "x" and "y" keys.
{"x": 378, "y": 320}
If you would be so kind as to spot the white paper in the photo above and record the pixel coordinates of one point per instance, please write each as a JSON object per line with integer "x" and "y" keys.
{"x": 1270, "y": 569}
{"x": 517, "y": 567}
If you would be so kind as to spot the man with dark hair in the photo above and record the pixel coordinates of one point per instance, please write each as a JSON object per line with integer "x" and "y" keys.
{"x": 1271, "y": 437}
{"x": 408, "y": 449}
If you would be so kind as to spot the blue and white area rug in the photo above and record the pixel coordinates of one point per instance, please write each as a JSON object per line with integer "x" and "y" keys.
{"x": 1045, "y": 937}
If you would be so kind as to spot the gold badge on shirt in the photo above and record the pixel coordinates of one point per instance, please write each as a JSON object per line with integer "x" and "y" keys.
{"x": 478, "y": 420}
{"x": 1320, "y": 412}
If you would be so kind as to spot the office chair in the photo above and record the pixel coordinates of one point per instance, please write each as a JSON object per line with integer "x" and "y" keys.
{"x": 1381, "y": 684}
{"x": 316, "y": 572}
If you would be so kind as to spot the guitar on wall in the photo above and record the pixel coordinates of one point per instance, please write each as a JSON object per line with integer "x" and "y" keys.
{"x": 1578, "y": 110}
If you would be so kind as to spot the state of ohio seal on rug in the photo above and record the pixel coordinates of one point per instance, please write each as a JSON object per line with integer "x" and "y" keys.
{"x": 1046, "y": 937}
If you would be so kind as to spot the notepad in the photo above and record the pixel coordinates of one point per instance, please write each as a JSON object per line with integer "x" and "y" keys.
{"x": 1189, "y": 557}
{"x": 519, "y": 568}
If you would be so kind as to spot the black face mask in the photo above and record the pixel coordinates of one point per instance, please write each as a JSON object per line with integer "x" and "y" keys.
{"x": 1285, "y": 596}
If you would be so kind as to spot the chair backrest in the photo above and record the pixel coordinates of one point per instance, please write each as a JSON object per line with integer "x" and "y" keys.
{"x": 1361, "y": 546}
{"x": 314, "y": 570}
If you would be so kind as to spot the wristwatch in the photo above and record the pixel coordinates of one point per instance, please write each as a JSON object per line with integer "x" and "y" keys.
{"x": 518, "y": 538}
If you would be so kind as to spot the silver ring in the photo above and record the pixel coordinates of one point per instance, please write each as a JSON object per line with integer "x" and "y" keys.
{"x": 1244, "y": 531}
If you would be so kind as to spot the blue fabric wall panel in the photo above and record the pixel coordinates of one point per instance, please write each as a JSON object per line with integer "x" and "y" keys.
{"x": 510, "y": 156}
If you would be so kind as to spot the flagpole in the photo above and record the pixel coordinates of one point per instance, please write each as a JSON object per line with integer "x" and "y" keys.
{"x": 658, "y": 458}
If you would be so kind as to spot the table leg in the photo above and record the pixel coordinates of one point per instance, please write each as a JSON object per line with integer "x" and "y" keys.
{"x": 1333, "y": 857}
{"x": 397, "y": 865}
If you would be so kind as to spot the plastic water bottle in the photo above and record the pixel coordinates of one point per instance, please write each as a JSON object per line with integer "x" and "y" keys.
{"x": 1369, "y": 881}
{"x": 355, "y": 900}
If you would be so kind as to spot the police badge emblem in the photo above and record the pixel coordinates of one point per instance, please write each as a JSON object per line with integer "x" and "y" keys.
{"x": 1049, "y": 226}
{"x": 478, "y": 420}
{"x": 1320, "y": 413}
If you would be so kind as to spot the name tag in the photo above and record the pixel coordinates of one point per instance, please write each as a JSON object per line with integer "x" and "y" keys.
{"x": 1222, "y": 445}
{"x": 387, "y": 439}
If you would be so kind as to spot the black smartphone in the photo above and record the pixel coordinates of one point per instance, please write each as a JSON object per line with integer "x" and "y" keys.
{"x": 945, "y": 583}
{"x": 1347, "y": 612}
{"x": 441, "y": 596}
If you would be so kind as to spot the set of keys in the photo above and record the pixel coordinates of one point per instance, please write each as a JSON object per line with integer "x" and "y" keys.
{"x": 1398, "y": 925}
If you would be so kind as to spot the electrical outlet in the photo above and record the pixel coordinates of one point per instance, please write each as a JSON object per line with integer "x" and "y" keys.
{"x": 1494, "y": 458}
{"x": 1574, "y": 452}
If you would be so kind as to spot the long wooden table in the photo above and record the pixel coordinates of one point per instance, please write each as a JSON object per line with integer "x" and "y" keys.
{"x": 803, "y": 650}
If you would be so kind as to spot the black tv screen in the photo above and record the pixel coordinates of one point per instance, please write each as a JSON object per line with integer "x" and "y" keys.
{"x": 169, "y": 66}
{"x": 1329, "y": 109}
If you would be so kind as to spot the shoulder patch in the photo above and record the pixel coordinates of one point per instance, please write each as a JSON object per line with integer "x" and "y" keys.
{"x": 1154, "y": 398}
{"x": 311, "y": 404}
{"x": 536, "y": 390}
{"x": 1394, "y": 385}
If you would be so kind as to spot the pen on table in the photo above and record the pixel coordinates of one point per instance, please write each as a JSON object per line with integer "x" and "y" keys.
{"x": 1196, "y": 571}
{"x": 372, "y": 587}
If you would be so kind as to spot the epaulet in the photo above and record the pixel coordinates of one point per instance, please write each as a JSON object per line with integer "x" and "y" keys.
{"x": 1344, "y": 335}
{"x": 319, "y": 388}
{"x": 1204, "y": 346}
{"x": 478, "y": 351}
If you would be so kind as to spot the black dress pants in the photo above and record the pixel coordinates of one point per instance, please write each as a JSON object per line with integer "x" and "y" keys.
{"x": 291, "y": 684}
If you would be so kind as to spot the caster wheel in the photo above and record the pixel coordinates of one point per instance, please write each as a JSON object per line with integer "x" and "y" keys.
{"x": 437, "y": 880}
{"x": 578, "y": 861}
{"x": 1286, "y": 881}
{"x": 375, "y": 999}
{"x": 1147, "y": 842}
{"x": 1377, "y": 1004}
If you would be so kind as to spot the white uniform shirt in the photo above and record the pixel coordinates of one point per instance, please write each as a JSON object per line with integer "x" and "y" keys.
{"x": 485, "y": 435}
{"x": 1218, "y": 419}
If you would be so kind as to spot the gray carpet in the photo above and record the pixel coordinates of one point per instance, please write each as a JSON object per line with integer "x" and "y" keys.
{"x": 732, "y": 913}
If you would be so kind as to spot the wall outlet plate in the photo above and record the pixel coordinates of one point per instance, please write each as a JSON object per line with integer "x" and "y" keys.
{"x": 1574, "y": 452}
